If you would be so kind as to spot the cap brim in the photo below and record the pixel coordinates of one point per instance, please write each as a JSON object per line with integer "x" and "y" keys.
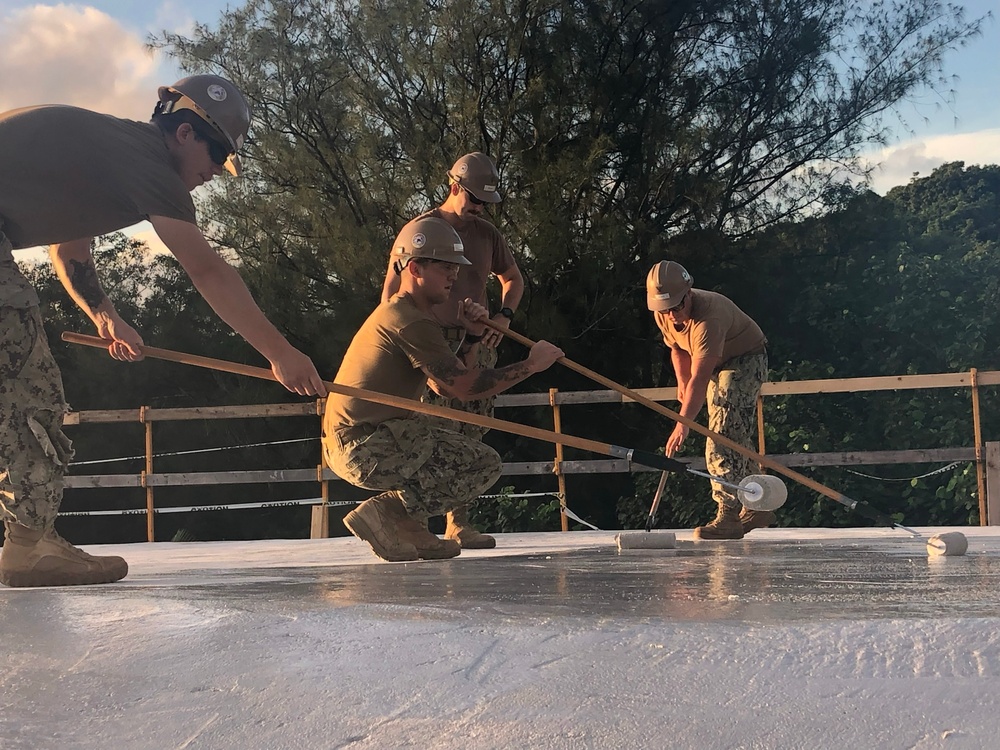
{"x": 233, "y": 165}
{"x": 657, "y": 305}
{"x": 494, "y": 197}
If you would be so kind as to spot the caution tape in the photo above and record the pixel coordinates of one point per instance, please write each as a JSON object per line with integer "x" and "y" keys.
{"x": 191, "y": 452}
{"x": 943, "y": 469}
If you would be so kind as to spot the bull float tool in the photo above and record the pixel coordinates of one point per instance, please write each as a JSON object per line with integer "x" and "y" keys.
{"x": 757, "y": 492}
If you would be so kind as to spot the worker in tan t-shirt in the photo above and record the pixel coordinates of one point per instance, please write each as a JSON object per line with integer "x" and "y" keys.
{"x": 424, "y": 467}
{"x": 68, "y": 175}
{"x": 472, "y": 185}
{"x": 718, "y": 353}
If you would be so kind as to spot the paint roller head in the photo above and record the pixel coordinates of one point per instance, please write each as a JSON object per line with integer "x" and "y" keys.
{"x": 762, "y": 492}
{"x": 951, "y": 544}
{"x": 646, "y": 540}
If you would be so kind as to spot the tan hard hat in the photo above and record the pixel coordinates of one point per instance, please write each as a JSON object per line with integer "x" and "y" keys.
{"x": 216, "y": 101}
{"x": 428, "y": 237}
{"x": 666, "y": 285}
{"x": 477, "y": 173}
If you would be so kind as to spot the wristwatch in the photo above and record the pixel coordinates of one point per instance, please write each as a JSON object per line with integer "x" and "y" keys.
{"x": 507, "y": 313}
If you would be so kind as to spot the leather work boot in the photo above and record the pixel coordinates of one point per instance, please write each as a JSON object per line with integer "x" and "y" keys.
{"x": 428, "y": 545}
{"x": 462, "y": 531}
{"x": 756, "y": 519}
{"x": 727, "y": 525}
{"x": 36, "y": 558}
{"x": 377, "y": 521}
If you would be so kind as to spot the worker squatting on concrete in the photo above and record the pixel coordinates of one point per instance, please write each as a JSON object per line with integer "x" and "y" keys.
{"x": 68, "y": 175}
{"x": 719, "y": 354}
{"x": 423, "y": 467}
{"x": 473, "y": 183}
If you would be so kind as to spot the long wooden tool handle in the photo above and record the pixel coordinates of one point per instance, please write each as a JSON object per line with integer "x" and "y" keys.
{"x": 652, "y": 460}
{"x": 656, "y": 501}
{"x": 858, "y": 505}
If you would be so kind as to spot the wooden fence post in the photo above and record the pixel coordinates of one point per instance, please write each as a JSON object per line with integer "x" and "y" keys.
{"x": 977, "y": 432}
{"x": 557, "y": 466}
{"x": 992, "y": 484}
{"x": 150, "y": 528}
{"x": 761, "y": 448}
{"x": 319, "y": 528}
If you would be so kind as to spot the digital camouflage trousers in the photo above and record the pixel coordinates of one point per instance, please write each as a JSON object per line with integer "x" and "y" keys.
{"x": 732, "y": 404}
{"x": 432, "y": 469}
{"x": 34, "y": 452}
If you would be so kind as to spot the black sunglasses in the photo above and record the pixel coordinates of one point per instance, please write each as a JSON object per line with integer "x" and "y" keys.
{"x": 678, "y": 306}
{"x": 217, "y": 152}
{"x": 473, "y": 198}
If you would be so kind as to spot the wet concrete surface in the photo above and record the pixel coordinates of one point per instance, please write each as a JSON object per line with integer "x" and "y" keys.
{"x": 749, "y": 581}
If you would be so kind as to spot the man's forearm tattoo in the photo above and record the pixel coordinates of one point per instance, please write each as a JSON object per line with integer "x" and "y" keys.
{"x": 445, "y": 372}
{"x": 486, "y": 381}
{"x": 83, "y": 279}
{"x": 490, "y": 379}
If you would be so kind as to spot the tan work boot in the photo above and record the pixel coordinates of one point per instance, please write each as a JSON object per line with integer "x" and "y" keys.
{"x": 428, "y": 545}
{"x": 36, "y": 558}
{"x": 756, "y": 519}
{"x": 378, "y": 522}
{"x": 727, "y": 525}
{"x": 462, "y": 531}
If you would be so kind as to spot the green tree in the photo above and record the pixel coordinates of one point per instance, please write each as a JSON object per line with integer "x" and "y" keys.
{"x": 618, "y": 126}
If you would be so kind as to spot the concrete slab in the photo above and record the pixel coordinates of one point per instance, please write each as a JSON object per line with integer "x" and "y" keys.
{"x": 815, "y": 638}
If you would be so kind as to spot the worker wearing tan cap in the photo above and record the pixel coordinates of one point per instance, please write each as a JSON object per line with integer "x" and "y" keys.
{"x": 473, "y": 183}
{"x": 719, "y": 356}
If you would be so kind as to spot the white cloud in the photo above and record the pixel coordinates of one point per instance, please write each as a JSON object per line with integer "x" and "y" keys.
{"x": 73, "y": 54}
{"x": 898, "y": 164}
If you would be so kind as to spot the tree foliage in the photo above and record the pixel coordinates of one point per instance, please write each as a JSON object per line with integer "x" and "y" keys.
{"x": 623, "y": 130}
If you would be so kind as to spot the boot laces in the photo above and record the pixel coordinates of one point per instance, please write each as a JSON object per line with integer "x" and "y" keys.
{"x": 54, "y": 538}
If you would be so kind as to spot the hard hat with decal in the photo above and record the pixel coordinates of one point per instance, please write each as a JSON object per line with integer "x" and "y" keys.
{"x": 666, "y": 285}
{"x": 216, "y": 101}
{"x": 477, "y": 173}
{"x": 428, "y": 237}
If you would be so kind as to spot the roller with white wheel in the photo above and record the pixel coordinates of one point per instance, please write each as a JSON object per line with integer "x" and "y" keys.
{"x": 762, "y": 492}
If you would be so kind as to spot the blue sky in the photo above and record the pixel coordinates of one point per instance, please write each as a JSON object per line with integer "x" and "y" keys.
{"x": 93, "y": 54}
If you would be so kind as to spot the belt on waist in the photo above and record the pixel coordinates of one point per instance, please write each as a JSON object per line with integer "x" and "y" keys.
{"x": 453, "y": 333}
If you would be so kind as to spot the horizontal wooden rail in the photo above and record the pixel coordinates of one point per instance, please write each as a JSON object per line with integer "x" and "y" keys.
{"x": 513, "y": 400}
{"x": 522, "y": 468}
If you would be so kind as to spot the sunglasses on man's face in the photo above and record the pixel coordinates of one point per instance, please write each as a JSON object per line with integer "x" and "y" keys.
{"x": 217, "y": 152}
{"x": 474, "y": 199}
{"x": 677, "y": 308}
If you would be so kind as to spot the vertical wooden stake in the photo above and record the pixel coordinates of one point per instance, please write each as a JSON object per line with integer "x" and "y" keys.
{"x": 150, "y": 529}
{"x": 319, "y": 527}
{"x": 760, "y": 426}
{"x": 557, "y": 466}
{"x": 993, "y": 484}
{"x": 977, "y": 431}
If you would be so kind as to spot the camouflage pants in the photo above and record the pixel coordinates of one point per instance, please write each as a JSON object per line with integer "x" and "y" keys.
{"x": 34, "y": 452}
{"x": 732, "y": 402}
{"x": 431, "y": 468}
{"x": 486, "y": 358}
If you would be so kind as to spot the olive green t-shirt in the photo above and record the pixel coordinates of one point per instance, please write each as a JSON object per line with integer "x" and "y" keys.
{"x": 717, "y": 328}
{"x": 487, "y": 252}
{"x": 67, "y": 173}
{"x": 386, "y": 355}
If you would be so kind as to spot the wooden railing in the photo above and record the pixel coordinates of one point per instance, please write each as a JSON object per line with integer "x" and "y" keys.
{"x": 986, "y": 455}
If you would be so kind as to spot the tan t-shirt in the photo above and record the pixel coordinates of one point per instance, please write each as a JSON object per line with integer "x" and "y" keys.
{"x": 68, "y": 173}
{"x": 487, "y": 252}
{"x": 386, "y": 355}
{"x": 717, "y": 328}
